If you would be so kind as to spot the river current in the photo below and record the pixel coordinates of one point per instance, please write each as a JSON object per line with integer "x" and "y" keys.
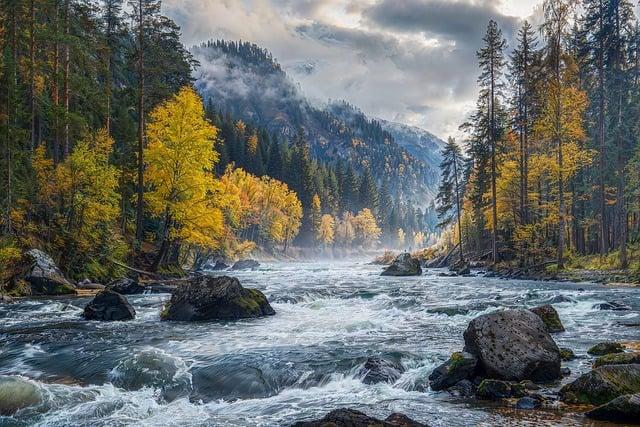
{"x": 296, "y": 365}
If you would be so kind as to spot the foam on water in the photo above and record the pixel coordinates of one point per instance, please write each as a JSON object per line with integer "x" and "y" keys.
{"x": 299, "y": 364}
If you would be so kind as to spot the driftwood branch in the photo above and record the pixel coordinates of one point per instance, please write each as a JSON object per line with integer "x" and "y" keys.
{"x": 444, "y": 260}
{"x": 135, "y": 270}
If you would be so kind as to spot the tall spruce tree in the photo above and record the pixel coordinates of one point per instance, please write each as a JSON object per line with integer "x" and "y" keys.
{"x": 450, "y": 192}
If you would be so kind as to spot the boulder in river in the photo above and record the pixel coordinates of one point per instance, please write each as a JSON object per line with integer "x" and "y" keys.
{"x": 126, "y": 286}
{"x": 17, "y": 393}
{"x": 44, "y": 277}
{"x": 107, "y": 306}
{"x": 513, "y": 345}
{"x": 379, "y": 370}
{"x": 403, "y": 265}
{"x": 602, "y": 385}
{"x": 246, "y": 264}
{"x": 566, "y": 354}
{"x": 493, "y": 390}
{"x": 528, "y": 402}
{"x": 612, "y": 306}
{"x": 221, "y": 298}
{"x": 623, "y": 409}
{"x": 618, "y": 359}
{"x": 550, "y": 317}
{"x": 219, "y": 265}
{"x": 605, "y": 347}
{"x": 351, "y": 418}
{"x": 460, "y": 366}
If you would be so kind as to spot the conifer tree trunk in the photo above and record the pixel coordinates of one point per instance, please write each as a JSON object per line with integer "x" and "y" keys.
{"x": 32, "y": 74}
{"x": 494, "y": 206}
{"x": 455, "y": 174}
{"x": 601, "y": 139}
{"x": 66, "y": 88}
{"x": 55, "y": 89}
{"x": 140, "y": 187}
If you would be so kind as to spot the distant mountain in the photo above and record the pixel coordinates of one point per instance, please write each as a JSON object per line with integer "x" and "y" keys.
{"x": 246, "y": 82}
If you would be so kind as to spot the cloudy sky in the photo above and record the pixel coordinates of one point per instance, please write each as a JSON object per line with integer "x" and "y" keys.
{"x": 411, "y": 61}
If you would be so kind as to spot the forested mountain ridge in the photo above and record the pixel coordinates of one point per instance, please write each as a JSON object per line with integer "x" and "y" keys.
{"x": 244, "y": 81}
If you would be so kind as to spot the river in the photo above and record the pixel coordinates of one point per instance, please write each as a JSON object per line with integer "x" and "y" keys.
{"x": 298, "y": 364}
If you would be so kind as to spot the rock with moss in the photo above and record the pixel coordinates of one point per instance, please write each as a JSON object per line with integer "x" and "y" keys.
{"x": 460, "y": 366}
{"x": 550, "y": 317}
{"x": 618, "y": 359}
{"x": 623, "y": 409}
{"x": 215, "y": 298}
{"x": 513, "y": 345}
{"x": 566, "y": 354}
{"x": 403, "y": 265}
{"x": 606, "y": 347}
{"x": 602, "y": 385}
{"x": 43, "y": 277}
{"x": 493, "y": 389}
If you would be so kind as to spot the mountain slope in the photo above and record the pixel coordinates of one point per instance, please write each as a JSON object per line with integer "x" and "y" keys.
{"x": 244, "y": 81}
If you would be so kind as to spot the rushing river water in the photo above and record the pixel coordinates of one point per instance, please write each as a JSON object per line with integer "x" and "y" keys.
{"x": 299, "y": 364}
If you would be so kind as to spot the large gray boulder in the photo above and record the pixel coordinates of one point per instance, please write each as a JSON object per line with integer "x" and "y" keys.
{"x": 602, "y": 385}
{"x": 513, "y": 345}
{"x": 246, "y": 264}
{"x": 44, "y": 277}
{"x": 352, "y": 418}
{"x": 550, "y": 317}
{"x": 109, "y": 306}
{"x": 623, "y": 409}
{"x": 403, "y": 265}
{"x": 209, "y": 298}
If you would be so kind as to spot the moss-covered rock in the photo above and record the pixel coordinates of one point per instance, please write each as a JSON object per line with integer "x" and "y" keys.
{"x": 39, "y": 275}
{"x": 493, "y": 390}
{"x": 566, "y": 354}
{"x": 606, "y": 347}
{"x": 460, "y": 366}
{"x": 623, "y": 409}
{"x": 208, "y": 298}
{"x": 403, "y": 265}
{"x": 602, "y": 385}
{"x": 618, "y": 359}
{"x": 550, "y": 317}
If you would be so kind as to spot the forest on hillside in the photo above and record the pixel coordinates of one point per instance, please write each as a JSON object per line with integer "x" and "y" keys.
{"x": 550, "y": 172}
{"x": 110, "y": 157}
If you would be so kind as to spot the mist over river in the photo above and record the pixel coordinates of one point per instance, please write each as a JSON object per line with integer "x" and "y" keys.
{"x": 298, "y": 364}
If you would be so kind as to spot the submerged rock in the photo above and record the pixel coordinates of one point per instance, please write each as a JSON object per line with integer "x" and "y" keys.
{"x": 378, "y": 370}
{"x": 17, "y": 393}
{"x": 606, "y": 347}
{"x": 528, "y": 402}
{"x": 352, "y": 418}
{"x": 44, "y": 277}
{"x": 513, "y": 345}
{"x": 618, "y": 359}
{"x": 566, "y": 354}
{"x": 222, "y": 298}
{"x": 246, "y": 264}
{"x": 403, "y": 265}
{"x": 612, "y": 306}
{"x": 108, "y": 306}
{"x": 460, "y": 366}
{"x": 550, "y": 317}
{"x": 623, "y": 409}
{"x": 602, "y": 385}
{"x": 449, "y": 311}
{"x": 493, "y": 389}
{"x": 126, "y": 286}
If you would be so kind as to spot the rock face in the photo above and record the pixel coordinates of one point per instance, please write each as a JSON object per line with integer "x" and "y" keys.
{"x": 460, "y": 366}
{"x": 550, "y": 317}
{"x": 513, "y": 345}
{"x": 621, "y": 409}
{"x": 44, "y": 276}
{"x": 378, "y": 370}
{"x": 126, "y": 286}
{"x": 108, "y": 306}
{"x": 246, "y": 264}
{"x": 618, "y": 359}
{"x": 352, "y": 418}
{"x": 208, "y": 298}
{"x": 403, "y": 265}
{"x": 602, "y": 385}
{"x": 607, "y": 347}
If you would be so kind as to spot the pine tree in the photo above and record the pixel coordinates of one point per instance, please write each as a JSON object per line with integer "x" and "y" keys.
{"x": 450, "y": 192}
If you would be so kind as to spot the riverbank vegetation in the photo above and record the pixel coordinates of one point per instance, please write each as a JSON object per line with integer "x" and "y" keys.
{"x": 551, "y": 165}
{"x": 109, "y": 156}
